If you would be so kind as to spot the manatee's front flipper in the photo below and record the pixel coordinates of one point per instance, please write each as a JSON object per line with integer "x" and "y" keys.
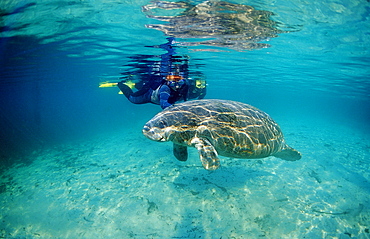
{"x": 180, "y": 152}
{"x": 288, "y": 154}
{"x": 207, "y": 153}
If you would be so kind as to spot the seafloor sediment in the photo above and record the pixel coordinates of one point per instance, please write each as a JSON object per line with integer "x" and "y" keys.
{"x": 125, "y": 186}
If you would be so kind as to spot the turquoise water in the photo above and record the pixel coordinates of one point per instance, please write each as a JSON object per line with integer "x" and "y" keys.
{"x": 75, "y": 164}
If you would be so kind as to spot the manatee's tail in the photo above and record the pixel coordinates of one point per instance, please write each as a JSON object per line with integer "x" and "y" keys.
{"x": 289, "y": 154}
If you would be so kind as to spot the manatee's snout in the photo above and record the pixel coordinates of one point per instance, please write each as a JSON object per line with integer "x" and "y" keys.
{"x": 153, "y": 133}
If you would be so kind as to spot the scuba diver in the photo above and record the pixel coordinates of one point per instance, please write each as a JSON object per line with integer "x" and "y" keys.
{"x": 168, "y": 82}
{"x": 173, "y": 89}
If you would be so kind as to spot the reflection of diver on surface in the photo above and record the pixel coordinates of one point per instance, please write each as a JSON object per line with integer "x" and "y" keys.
{"x": 168, "y": 82}
{"x": 219, "y": 23}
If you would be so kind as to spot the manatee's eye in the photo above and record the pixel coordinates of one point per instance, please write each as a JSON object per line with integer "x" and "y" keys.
{"x": 162, "y": 124}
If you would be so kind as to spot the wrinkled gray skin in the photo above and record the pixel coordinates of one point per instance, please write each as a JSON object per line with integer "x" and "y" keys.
{"x": 219, "y": 127}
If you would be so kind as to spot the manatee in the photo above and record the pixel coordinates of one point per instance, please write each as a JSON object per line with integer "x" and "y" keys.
{"x": 219, "y": 127}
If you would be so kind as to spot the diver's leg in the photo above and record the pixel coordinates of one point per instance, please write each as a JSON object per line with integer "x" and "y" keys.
{"x": 141, "y": 97}
{"x": 125, "y": 89}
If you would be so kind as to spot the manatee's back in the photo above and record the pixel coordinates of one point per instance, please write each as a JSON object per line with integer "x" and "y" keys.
{"x": 236, "y": 129}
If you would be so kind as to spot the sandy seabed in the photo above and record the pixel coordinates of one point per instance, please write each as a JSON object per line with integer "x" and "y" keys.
{"x": 126, "y": 186}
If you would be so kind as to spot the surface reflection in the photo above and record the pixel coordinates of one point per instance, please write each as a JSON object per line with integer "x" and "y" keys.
{"x": 216, "y": 23}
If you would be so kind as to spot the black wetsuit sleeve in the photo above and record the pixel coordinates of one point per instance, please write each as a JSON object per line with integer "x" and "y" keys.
{"x": 186, "y": 90}
{"x": 164, "y": 95}
{"x": 202, "y": 94}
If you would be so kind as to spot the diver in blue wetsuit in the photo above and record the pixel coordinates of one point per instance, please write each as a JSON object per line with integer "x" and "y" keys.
{"x": 173, "y": 89}
{"x": 169, "y": 83}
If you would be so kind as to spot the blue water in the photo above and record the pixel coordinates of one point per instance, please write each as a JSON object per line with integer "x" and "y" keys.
{"x": 75, "y": 164}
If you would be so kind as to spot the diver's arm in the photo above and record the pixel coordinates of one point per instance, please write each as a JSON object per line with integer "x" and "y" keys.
{"x": 186, "y": 90}
{"x": 164, "y": 95}
{"x": 203, "y": 93}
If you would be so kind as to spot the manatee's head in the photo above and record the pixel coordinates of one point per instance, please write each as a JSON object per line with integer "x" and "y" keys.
{"x": 158, "y": 129}
{"x": 175, "y": 123}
